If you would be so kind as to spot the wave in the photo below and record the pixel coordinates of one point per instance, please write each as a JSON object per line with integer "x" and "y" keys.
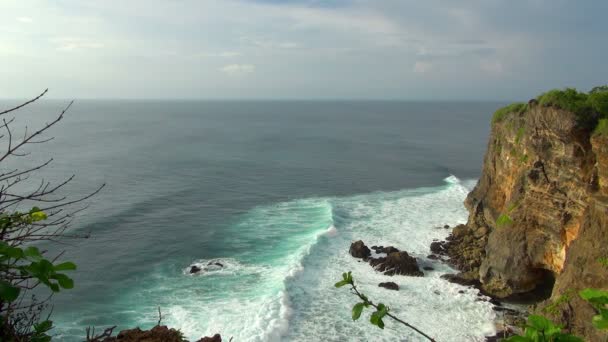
{"x": 276, "y": 283}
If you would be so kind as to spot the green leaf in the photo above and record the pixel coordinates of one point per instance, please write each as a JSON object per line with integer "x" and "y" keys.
{"x": 357, "y": 309}
{"x": 32, "y": 254}
{"x": 517, "y": 339}
{"x": 382, "y": 310}
{"x": 595, "y": 296}
{"x": 11, "y": 252}
{"x": 64, "y": 281}
{"x": 38, "y": 216}
{"x": 566, "y": 338}
{"x": 54, "y": 287}
{"x": 600, "y": 322}
{"x": 65, "y": 266}
{"x": 540, "y": 323}
{"x": 8, "y": 292}
{"x": 376, "y": 317}
{"x": 341, "y": 283}
{"x": 43, "y": 326}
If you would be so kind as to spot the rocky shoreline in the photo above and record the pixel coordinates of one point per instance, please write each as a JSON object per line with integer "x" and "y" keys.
{"x": 391, "y": 261}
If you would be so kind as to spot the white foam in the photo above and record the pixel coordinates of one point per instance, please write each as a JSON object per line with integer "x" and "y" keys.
{"x": 331, "y": 231}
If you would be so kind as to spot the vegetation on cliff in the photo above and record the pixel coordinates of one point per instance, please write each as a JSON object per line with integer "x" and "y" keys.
{"x": 591, "y": 108}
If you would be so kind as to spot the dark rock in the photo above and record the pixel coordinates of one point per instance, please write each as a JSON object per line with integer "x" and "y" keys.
{"x": 195, "y": 269}
{"x": 466, "y": 279}
{"x": 389, "y": 285}
{"x": 387, "y": 250}
{"x": 432, "y": 256}
{"x": 397, "y": 263}
{"x": 461, "y": 291}
{"x": 446, "y": 226}
{"x": 428, "y": 268}
{"x": 215, "y": 338}
{"x": 156, "y": 334}
{"x": 218, "y": 264}
{"x": 359, "y": 250}
{"x": 437, "y": 292}
{"x": 437, "y": 247}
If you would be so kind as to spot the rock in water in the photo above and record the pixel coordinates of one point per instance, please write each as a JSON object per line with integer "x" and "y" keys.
{"x": 389, "y": 285}
{"x": 359, "y": 250}
{"x": 397, "y": 263}
{"x": 195, "y": 269}
{"x": 215, "y": 338}
{"x": 388, "y": 250}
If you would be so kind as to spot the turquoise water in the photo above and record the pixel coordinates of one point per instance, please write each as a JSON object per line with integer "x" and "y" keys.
{"x": 276, "y": 192}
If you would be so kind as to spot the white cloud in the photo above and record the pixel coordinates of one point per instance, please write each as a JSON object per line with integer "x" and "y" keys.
{"x": 238, "y": 69}
{"x": 422, "y": 67}
{"x": 269, "y": 43}
{"x": 223, "y": 54}
{"x": 25, "y": 20}
{"x": 71, "y": 44}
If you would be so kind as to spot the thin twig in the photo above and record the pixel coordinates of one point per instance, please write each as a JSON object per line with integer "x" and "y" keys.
{"x": 366, "y": 300}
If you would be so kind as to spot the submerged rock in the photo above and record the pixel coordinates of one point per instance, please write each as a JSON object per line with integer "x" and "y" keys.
{"x": 389, "y": 285}
{"x": 359, "y": 250}
{"x": 195, "y": 269}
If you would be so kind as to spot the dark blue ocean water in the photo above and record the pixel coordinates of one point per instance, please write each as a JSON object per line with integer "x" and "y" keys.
{"x": 275, "y": 190}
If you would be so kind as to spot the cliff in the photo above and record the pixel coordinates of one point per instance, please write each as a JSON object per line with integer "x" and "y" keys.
{"x": 538, "y": 216}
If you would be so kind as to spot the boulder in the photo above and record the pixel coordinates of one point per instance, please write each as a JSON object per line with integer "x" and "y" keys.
{"x": 397, "y": 263}
{"x": 428, "y": 268}
{"x": 159, "y": 333}
{"x": 437, "y": 247}
{"x": 388, "y": 250}
{"x": 464, "y": 278}
{"x": 389, "y": 285}
{"x": 215, "y": 338}
{"x": 195, "y": 269}
{"x": 359, "y": 250}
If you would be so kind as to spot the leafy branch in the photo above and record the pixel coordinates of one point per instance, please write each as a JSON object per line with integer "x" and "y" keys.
{"x": 381, "y": 309}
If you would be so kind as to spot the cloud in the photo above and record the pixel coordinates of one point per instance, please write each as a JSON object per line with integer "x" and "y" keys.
{"x": 238, "y": 69}
{"x": 422, "y": 67}
{"x": 223, "y": 54}
{"x": 25, "y": 20}
{"x": 71, "y": 44}
{"x": 269, "y": 43}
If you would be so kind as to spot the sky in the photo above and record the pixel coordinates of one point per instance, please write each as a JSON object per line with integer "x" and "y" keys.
{"x": 301, "y": 49}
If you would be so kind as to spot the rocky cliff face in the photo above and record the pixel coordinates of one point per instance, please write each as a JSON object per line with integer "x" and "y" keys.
{"x": 538, "y": 218}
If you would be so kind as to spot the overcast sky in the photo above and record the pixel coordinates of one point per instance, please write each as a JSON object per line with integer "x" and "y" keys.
{"x": 271, "y": 49}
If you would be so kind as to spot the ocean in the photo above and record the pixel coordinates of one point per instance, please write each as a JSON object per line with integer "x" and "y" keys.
{"x": 273, "y": 190}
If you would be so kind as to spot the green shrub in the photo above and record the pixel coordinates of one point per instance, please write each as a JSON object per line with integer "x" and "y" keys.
{"x": 599, "y": 102}
{"x": 602, "y": 127}
{"x": 517, "y": 107}
{"x": 568, "y": 99}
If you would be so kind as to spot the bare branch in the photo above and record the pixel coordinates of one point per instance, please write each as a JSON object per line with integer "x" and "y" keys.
{"x": 25, "y": 103}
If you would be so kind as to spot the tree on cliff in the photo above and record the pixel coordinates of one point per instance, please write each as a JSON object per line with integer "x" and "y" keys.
{"x": 31, "y": 211}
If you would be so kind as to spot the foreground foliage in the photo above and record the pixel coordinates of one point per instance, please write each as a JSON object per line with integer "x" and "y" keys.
{"x": 23, "y": 266}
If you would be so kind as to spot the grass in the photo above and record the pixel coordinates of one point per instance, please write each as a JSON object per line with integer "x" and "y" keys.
{"x": 520, "y": 134}
{"x": 590, "y": 108}
{"x": 503, "y": 220}
{"x": 601, "y": 128}
{"x": 517, "y": 107}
